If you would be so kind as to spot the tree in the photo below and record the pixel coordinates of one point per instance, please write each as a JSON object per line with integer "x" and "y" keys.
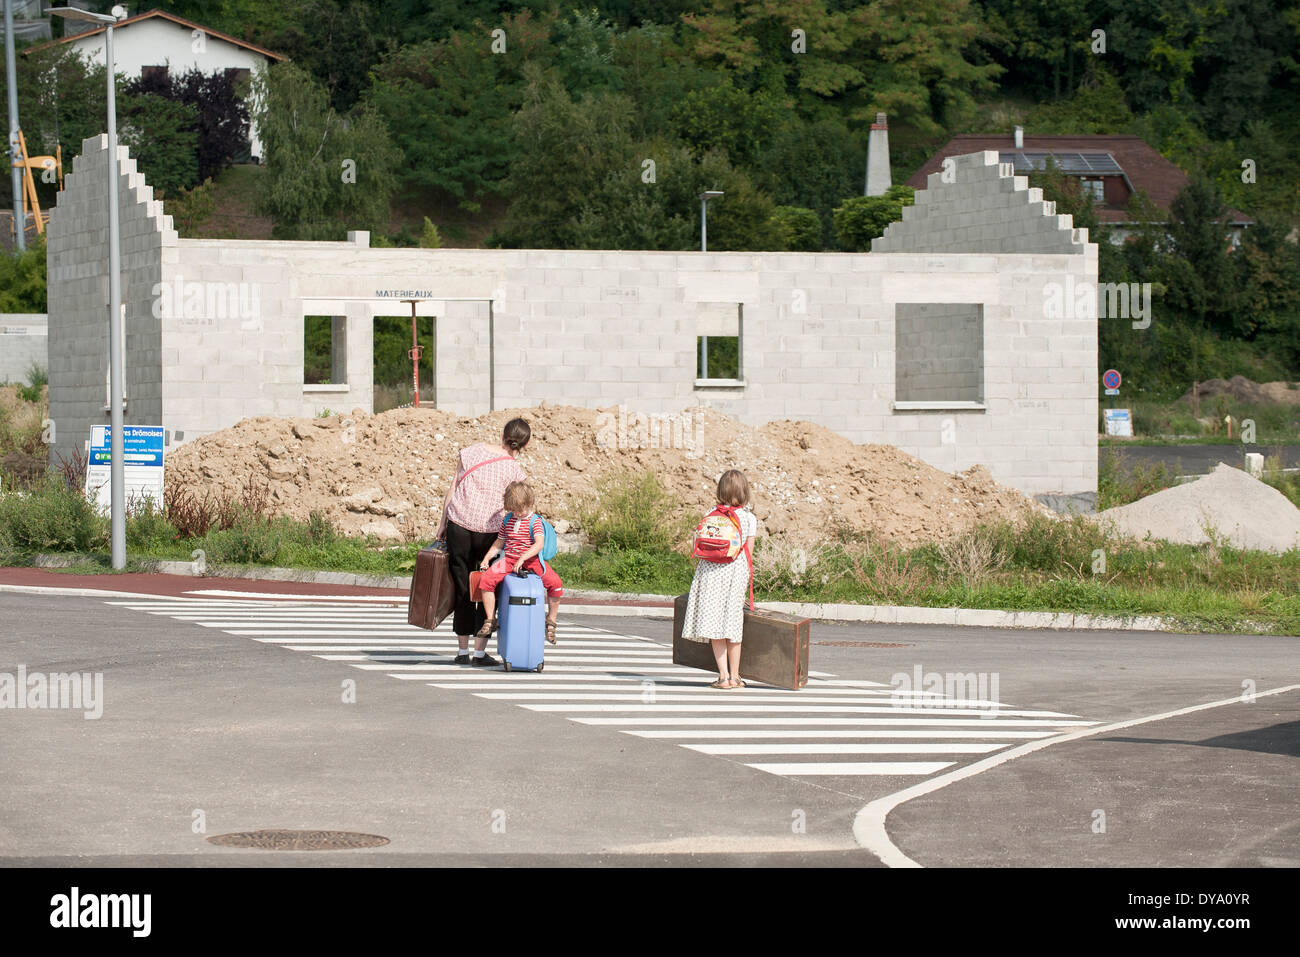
{"x": 219, "y": 122}
{"x": 801, "y": 229}
{"x": 160, "y": 135}
{"x": 564, "y": 149}
{"x": 22, "y": 279}
{"x": 449, "y": 107}
{"x": 863, "y": 218}
{"x": 325, "y": 173}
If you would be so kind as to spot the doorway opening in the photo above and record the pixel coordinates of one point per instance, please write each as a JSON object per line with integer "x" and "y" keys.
{"x": 394, "y": 383}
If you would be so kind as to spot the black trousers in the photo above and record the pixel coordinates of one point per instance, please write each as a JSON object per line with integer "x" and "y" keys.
{"x": 465, "y": 550}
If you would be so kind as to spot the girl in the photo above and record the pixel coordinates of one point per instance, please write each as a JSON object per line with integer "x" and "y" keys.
{"x": 715, "y": 609}
{"x": 521, "y": 541}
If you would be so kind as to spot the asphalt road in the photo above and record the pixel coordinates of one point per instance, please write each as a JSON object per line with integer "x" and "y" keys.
{"x": 1201, "y": 459}
{"x": 205, "y": 732}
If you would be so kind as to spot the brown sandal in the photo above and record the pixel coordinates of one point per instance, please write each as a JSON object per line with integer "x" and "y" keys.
{"x": 550, "y": 632}
{"x": 722, "y": 683}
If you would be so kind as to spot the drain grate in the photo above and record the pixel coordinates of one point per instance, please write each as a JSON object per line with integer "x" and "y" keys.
{"x": 286, "y": 840}
{"x": 862, "y": 644}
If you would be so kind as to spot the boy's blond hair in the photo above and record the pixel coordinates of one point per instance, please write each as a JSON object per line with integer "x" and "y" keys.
{"x": 733, "y": 488}
{"x": 519, "y": 498}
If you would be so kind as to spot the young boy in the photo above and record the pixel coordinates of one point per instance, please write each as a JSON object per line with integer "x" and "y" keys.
{"x": 521, "y": 540}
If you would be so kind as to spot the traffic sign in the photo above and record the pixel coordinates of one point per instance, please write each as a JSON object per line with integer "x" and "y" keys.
{"x": 1111, "y": 380}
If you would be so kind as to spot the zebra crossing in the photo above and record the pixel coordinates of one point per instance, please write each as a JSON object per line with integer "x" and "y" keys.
{"x": 596, "y": 677}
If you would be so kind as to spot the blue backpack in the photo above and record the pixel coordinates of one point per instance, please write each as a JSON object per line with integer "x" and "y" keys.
{"x": 550, "y": 544}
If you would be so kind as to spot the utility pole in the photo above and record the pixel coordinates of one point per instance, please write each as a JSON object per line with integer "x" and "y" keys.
{"x": 11, "y": 78}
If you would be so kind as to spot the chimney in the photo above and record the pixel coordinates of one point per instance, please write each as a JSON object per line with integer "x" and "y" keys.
{"x": 1020, "y": 137}
{"x": 878, "y": 179}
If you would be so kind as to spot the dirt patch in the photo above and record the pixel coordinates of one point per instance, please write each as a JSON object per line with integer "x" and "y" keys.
{"x": 1246, "y": 391}
{"x": 388, "y": 473}
{"x": 1227, "y": 503}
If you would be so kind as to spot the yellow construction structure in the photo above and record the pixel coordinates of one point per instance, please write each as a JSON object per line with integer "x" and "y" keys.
{"x": 44, "y": 164}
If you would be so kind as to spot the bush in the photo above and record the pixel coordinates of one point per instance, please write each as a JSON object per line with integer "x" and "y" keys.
{"x": 255, "y": 541}
{"x": 1119, "y": 483}
{"x": 147, "y": 526}
{"x": 53, "y": 518}
{"x": 864, "y": 218}
{"x": 1046, "y": 543}
{"x": 633, "y": 511}
{"x": 800, "y": 228}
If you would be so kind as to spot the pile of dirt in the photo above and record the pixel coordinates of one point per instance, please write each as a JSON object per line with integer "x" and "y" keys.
{"x": 1227, "y": 502}
{"x": 386, "y": 474}
{"x": 1244, "y": 390}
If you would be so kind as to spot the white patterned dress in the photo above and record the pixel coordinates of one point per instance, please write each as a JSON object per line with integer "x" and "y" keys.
{"x": 719, "y": 594}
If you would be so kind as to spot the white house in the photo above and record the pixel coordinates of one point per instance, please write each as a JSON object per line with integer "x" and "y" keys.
{"x": 153, "y": 41}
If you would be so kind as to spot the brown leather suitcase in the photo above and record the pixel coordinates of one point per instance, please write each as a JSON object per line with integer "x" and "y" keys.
{"x": 773, "y": 649}
{"x": 433, "y": 593}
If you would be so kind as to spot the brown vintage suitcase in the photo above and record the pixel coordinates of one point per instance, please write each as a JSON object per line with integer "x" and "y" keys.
{"x": 773, "y": 650}
{"x": 433, "y": 593}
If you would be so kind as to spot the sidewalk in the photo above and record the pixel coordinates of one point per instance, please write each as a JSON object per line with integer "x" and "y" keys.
{"x": 176, "y": 579}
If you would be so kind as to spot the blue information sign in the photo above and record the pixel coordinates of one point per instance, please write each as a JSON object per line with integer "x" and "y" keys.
{"x": 141, "y": 445}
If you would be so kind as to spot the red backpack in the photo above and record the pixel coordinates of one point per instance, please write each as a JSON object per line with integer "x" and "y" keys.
{"x": 719, "y": 539}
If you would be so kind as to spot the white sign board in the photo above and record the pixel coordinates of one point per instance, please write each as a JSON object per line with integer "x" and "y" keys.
{"x": 142, "y": 459}
{"x": 1118, "y": 422}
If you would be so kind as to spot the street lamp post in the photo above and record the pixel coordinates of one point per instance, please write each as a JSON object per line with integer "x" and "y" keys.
{"x": 117, "y": 470}
{"x": 20, "y": 216}
{"x": 705, "y": 196}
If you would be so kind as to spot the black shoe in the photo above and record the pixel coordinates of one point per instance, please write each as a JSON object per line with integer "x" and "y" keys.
{"x": 462, "y": 658}
{"x": 487, "y": 661}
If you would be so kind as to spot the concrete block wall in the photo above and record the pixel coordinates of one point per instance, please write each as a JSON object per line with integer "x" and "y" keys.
{"x": 77, "y": 269}
{"x": 600, "y": 328}
{"x": 939, "y": 352}
{"x": 24, "y": 342}
{"x": 985, "y": 208}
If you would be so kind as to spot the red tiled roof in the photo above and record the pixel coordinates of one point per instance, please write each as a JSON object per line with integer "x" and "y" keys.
{"x": 1145, "y": 168}
{"x": 166, "y": 16}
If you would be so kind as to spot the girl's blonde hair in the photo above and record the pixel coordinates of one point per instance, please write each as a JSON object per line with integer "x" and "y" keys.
{"x": 519, "y": 498}
{"x": 733, "y": 488}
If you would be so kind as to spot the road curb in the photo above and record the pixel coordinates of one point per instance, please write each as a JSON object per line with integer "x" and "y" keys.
{"x": 624, "y": 604}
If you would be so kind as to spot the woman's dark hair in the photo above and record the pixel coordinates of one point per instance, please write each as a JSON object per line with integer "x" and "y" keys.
{"x": 516, "y": 434}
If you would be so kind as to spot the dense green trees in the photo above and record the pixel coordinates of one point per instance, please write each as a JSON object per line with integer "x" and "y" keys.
{"x": 597, "y": 125}
{"x": 326, "y": 173}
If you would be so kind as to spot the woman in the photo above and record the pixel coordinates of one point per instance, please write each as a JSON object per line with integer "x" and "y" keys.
{"x": 472, "y": 514}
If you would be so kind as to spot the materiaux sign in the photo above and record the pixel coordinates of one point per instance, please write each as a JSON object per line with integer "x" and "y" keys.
{"x": 142, "y": 459}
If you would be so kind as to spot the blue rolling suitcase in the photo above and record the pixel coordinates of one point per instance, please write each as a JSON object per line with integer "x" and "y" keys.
{"x": 521, "y": 612}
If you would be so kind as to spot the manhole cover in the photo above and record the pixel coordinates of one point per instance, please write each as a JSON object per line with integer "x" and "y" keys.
{"x": 863, "y": 644}
{"x": 283, "y": 840}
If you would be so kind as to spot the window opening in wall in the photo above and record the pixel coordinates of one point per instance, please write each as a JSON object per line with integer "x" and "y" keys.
{"x": 719, "y": 345}
{"x": 938, "y": 356}
{"x": 325, "y": 350}
{"x": 393, "y": 376}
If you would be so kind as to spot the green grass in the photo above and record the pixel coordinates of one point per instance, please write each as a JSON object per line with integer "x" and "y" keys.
{"x": 1171, "y": 422}
{"x": 1035, "y": 564}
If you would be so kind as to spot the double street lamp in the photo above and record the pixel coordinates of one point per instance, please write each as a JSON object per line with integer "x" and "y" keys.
{"x": 117, "y": 471}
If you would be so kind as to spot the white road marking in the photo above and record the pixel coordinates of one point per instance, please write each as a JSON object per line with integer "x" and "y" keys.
{"x": 852, "y": 768}
{"x": 928, "y": 748}
{"x": 721, "y": 733}
{"x": 595, "y": 670}
{"x": 869, "y": 823}
{"x": 883, "y": 722}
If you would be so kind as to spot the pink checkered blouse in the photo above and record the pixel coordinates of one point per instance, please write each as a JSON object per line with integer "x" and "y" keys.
{"x": 476, "y": 503}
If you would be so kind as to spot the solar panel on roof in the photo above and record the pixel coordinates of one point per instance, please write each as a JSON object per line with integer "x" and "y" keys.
{"x": 1026, "y": 161}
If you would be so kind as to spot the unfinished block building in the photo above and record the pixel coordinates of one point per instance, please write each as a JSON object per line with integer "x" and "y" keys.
{"x": 937, "y": 341}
